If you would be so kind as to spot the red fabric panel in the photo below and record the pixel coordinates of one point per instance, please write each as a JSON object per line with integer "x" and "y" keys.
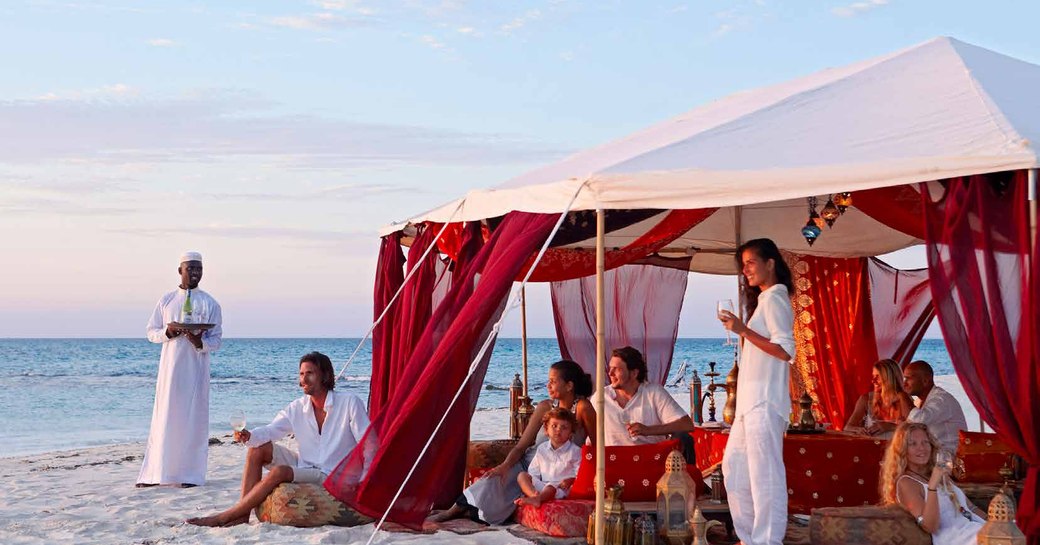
{"x": 898, "y": 207}
{"x": 902, "y": 307}
{"x": 389, "y": 277}
{"x": 637, "y": 468}
{"x": 450, "y": 242}
{"x": 642, "y": 305}
{"x": 370, "y": 476}
{"x": 983, "y": 269}
{"x": 983, "y": 454}
{"x": 565, "y": 263}
{"x": 709, "y": 446}
{"x": 564, "y": 518}
{"x": 823, "y": 470}
{"x": 834, "y": 332}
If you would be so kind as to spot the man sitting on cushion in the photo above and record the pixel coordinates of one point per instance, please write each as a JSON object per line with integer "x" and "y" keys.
{"x": 636, "y": 412}
{"x": 937, "y": 409}
{"x": 327, "y": 425}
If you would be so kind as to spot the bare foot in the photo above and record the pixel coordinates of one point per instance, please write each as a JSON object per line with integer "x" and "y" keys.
{"x": 236, "y": 522}
{"x": 453, "y": 512}
{"x": 212, "y": 521}
{"x": 528, "y": 501}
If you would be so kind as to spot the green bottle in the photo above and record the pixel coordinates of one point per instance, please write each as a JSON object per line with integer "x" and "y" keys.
{"x": 186, "y": 310}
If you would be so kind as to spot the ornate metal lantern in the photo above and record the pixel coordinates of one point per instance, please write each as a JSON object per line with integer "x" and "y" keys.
{"x": 616, "y": 521}
{"x": 1000, "y": 529}
{"x": 676, "y": 500}
{"x": 516, "y": 390}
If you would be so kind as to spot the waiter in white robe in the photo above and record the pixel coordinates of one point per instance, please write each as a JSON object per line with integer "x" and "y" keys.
{"x": 753, "y": 463}
{"x": 178, "y": 440}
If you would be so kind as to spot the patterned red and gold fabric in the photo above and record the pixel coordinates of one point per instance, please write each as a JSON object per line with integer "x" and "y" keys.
{"x": 709, "y": 448}
{"x": 636, "y": 468}
{"x": 834, "y": 334}
{"x": 983, "y": 455}
{"x": 823, "y": 470}
{"x": 565, "y": 518}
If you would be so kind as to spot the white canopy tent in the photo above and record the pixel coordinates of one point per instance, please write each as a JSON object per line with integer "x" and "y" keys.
{"x": 940, "y": 109}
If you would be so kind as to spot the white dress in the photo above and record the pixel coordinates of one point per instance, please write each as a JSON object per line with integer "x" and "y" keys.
{"x": 954, "y": 528}
{"x": 178, "y": 440}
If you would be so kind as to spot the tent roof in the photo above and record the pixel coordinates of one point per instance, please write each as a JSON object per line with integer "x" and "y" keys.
{"x": 940, "y": 109}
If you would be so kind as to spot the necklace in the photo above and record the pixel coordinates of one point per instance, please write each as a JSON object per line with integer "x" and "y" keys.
{"x": 919, "y": 476}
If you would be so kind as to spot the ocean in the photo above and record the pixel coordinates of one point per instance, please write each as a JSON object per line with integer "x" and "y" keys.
{"x": 60, "y": 394}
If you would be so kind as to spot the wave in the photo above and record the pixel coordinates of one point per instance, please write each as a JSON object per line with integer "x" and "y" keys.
{"x": 496, "y": 388}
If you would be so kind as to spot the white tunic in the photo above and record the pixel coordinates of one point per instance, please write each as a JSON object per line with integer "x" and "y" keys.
{"x": 943, "y": 415}
{"x": 179, "y": 436}
{"x": 652, "y": 405}
{"x": 763, "y": 379}
{"x": 345, "y": 425}
{"x": 551, "y": 465}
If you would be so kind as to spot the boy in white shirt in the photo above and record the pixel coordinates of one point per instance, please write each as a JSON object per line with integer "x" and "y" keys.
{"x": 555, "y": 464}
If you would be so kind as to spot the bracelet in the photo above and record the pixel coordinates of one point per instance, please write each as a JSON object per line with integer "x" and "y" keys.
{"x": 920, "y": 520}
{"x": 932, "y": 490}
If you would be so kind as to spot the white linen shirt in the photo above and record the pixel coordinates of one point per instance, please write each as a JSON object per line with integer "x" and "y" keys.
{"x": 764, "y": 380}
{"x": 554, "y": 465}
{"x": 943, "y": 415}
{"x": 345, "y": 425}
{"x": 652, "y": 406}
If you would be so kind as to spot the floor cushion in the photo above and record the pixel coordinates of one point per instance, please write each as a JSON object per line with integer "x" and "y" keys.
{"x": 307, "y": 505}
{"x": 482, "y": 456}
{"x": 562, "y": 518}
{"x": 637, "y": 468}
{"x": 866, "y": 525}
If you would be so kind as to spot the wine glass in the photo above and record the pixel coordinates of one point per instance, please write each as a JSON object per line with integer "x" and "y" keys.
{"x": 625, "y": 421}
{"x": 944, "y": 459}
{"x": 238, "y": 420}
{"x": 727, "y": 306}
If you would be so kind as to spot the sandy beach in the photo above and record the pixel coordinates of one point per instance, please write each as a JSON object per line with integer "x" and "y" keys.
{"x": 88, "y": 496}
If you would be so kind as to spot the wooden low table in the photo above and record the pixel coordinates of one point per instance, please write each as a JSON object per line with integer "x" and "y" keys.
{"x": 710, "y": 510}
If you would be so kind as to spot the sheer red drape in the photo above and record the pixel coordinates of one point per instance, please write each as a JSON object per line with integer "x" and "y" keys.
{"x": 983, "y": 269}
{"x": 566, "y": 263}
{"x": 389, "y": 277}
{"x": 901, "y": 303}
{"x": 834, "y": 333}
{"x": 642, "y": 305}
{"x": 371, "y": 475}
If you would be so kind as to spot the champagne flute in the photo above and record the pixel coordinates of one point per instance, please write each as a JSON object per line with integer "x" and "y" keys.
{"x": 238, "y": 420}
{"x": 727, "y": 306}
{"x": 944, "y": 459}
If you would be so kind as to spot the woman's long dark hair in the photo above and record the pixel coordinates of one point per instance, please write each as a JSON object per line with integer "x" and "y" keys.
{"x": 765, "y": 249}
{"x": 573, "y": 373}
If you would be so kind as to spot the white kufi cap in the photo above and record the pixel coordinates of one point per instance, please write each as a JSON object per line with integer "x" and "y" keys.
{"x": 190, "y": 256}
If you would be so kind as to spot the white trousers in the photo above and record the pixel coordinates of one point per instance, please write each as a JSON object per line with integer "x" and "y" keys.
{"x": 756, "y": 483}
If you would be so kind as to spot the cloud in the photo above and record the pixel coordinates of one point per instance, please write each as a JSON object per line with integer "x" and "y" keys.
{"x": 320, "y": 21}
{"x": 344, "y": 192}
{"x": 857, "y": 8}
{"x": 114, "y": 91}
{"x": 222, "y": 125}
{"x": 567, "y": 56}
{"x": 521, "y": 21}
{"x": 259, "y": 232}
{"x": 432, "y": 42}
{"x": 723, "y": 29}
{"x": 161, "y": 42}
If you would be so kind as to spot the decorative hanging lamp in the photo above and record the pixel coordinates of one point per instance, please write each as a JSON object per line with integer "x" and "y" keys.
{"x": 813, "y": 227}
{"x": 843, "y": 201}
{"x": 830, "y": 212}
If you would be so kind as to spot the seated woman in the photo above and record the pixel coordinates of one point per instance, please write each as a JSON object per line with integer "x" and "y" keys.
{"x": 880, "y": 410}
{"x": 911, "y": 478}
{"x": 490, "y": 499}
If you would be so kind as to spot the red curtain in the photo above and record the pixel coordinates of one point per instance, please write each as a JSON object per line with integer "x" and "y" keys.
{"x": 898, "y": 207}
{"x": 902, "y": 307}
{"x": 370, "y": 476}
{"x": 834, "y": 332}
{"x": 389, "y": 277}
{"x": 566, "y": 263}
{"x": 983, "y": 269}
{"x": 642, "y": 304}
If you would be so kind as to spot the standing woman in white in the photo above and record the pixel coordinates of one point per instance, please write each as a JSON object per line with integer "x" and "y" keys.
{"x": 178, "y": 441}
{"x": 753, "y": 463}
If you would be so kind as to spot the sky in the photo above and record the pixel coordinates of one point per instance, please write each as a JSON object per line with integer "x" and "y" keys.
{"x": 277, "y": 137}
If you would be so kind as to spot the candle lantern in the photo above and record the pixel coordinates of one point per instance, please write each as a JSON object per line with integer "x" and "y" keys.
{"x": 1001, "y": 529}
{"x": 696, "y": 410}
{"x": 617, "y": 524}
{"x": 516, "y": 391}
{"x": 806, "y": 421}
{"x": 676, "y": 500}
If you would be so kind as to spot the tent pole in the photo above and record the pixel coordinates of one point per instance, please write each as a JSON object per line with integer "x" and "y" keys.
{"x": 739, "y": 239}
{"x": 523, "y": 333}
{"x": 601, "y": 452}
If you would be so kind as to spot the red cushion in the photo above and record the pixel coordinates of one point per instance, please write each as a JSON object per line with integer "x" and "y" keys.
{"x": 983, "y": 455}
{"x": 564, "y": 518}
{"x": 637, "y": 468}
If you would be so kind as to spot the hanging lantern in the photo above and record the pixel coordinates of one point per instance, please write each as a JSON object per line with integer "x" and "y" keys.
{"x": 810, "y": 231}
{"x": 1000, "y": 529}
{"x": 843, "y": 201}
{"x": 830, "y": 212}
{"x": 516, "y": 390}
{"x": 676, "y": 500}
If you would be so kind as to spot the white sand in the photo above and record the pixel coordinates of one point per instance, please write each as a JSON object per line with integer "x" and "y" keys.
{"x": 88, "y": 496}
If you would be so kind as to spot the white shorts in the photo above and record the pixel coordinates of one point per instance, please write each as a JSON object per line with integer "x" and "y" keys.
{"x": 539, "y": 485}
{"x": 284, "y": 456}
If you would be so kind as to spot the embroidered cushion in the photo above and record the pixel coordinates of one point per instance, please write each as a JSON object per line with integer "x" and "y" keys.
{"x": 637, "y": 468}
{"x": 305, "y": 506}
{"x": 865, "y": 525}
{"x": 484, "y": 455}
{"x": 983, "y": 454}
{"x": 563, "y": 518}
